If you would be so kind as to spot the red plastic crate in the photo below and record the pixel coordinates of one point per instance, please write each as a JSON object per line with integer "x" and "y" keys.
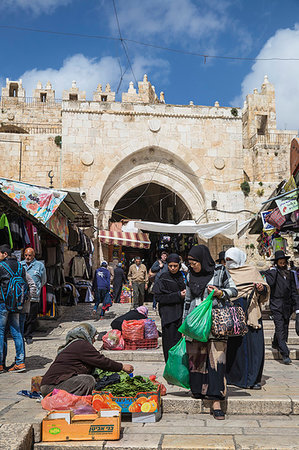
{"x": 142, "y": 343}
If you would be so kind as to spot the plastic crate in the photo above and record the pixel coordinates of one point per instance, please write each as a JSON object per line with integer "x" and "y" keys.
{"x": 142, "y": 343}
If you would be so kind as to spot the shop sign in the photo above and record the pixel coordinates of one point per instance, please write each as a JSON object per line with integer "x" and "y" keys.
{"x": 288, "y": 204}
{"x": 266, "y": 225}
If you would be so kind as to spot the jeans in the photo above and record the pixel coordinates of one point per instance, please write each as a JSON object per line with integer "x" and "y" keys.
{"x": 100, "y": 295}
{"x": 14, "y": 326}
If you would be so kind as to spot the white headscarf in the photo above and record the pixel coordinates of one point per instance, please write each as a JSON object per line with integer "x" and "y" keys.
{"x": 237, "y": 256}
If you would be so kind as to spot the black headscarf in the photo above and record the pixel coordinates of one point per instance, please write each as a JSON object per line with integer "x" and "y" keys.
{"x": 173, "y": 257}
{"x": 198, "y": 281}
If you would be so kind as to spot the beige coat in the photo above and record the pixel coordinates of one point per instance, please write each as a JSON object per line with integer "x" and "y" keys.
{"x": 245, "y": 278}
{"x": 139, "y": 276}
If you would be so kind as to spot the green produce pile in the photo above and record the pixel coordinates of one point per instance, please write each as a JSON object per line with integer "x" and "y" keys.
{"x": 127, "y": 387}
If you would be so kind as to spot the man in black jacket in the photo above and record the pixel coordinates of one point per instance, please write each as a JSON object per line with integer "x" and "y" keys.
{"x": 12, "y": 318}
{"x": 118, "y": 280}
{"x": 283, "y": 300}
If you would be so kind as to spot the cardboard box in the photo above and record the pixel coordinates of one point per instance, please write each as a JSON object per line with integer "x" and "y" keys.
{"x": 145, "y": 402}
{"x": 65, "y": 426}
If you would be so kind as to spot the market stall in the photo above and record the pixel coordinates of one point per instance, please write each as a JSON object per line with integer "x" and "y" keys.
{"x": 40, "y": 218}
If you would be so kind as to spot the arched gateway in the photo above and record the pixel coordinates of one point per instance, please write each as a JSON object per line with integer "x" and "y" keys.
{"x": 151, "y": 165}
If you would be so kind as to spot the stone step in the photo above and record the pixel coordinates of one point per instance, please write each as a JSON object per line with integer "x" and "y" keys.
{"x": 17, "y": 436}
{"x": 157, "y": 354}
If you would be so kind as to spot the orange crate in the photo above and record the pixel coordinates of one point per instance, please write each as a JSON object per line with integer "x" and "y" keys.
{"x": 65, "y": 426}
{"x": 142, "y": 343}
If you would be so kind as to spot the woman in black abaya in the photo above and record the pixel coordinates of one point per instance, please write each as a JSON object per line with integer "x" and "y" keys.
{"x": 169, "y": 292}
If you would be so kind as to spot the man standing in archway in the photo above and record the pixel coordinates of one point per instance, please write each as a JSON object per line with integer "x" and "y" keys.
{"x": 138, "y": 280}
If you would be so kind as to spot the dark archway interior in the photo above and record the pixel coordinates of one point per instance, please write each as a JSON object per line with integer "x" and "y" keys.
{"x": 153, "y": 203}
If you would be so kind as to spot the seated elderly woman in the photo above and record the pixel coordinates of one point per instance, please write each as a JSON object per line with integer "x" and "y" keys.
{"x": 75, "y": 362}
{"x": 134, "y": 314}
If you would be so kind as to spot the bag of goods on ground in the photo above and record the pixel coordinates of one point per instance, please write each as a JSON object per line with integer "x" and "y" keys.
{"x": 150, "y": 329}
{"x": 113, "y": 340}
{"x": 177, "y": 367}
{"x": 133, "y": 330}
{"x": 62, "y": 400}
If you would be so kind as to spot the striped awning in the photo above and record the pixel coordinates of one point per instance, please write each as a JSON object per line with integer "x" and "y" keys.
{"x": 140, "y": 240}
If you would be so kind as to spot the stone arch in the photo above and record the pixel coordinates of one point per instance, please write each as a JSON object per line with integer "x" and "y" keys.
{"x": 155, "y": 165}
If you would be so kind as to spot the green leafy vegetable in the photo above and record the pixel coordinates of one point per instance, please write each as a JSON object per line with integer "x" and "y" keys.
{"x": 127, "y": 387}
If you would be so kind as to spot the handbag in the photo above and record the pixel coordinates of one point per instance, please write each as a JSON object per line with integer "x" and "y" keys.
{"x": 228, "y": 321}
{"x": 275, "y": 218}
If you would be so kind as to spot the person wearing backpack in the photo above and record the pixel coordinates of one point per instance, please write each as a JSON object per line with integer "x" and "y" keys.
{"x": 13, "y": 294}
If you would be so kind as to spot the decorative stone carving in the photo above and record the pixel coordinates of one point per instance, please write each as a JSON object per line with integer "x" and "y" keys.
{"x": 219, "y": 163}
{"x": 154, "y": 125}
{"x": 87, "y": 159}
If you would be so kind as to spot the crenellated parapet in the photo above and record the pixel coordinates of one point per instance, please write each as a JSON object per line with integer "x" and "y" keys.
{"x": 74, "y": 94}
{"x": 104, "y": 96}
{"x": 146, "y": 93}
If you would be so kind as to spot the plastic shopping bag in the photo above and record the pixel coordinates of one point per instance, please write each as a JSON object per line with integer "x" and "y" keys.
{"x": 177, "y": 367}
{"x": 150, "y": 329}
{"x": 60, "y": 400}
{"x": 113, "y": 340}
{"x": 198, "y": 323}
{"x": 133, "y": 330}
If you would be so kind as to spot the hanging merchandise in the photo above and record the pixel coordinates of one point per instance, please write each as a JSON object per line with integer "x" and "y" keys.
{"x": 5, "y": 234}
{"x": 59, "y": 226}
{"x": 279, "y": 243}
{"x": 78, "y": 267}
{"x": 275, "y": 218}
{"x": 18, "y": 232}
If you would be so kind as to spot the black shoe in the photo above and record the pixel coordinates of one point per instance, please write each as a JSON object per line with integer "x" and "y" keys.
{"x": 218, "y": 414}
{"x": 256, "y": 387}
{"x": 287, "y": 360}
{"x": 29, "y": 341}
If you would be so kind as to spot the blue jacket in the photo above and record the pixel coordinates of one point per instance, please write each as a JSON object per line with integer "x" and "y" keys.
{"x": 37, "y": 271}
{"x": 101, "y": 279}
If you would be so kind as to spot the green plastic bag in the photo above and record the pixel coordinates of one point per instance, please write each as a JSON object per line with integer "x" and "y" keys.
{"x": 177, "y": 367}
{"x": 198, "y": 323}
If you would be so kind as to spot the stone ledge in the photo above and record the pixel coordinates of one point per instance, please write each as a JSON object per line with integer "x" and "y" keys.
{"x": 199, "y": 442}
{"x": 16, "y": 436}
{"x": 233, "y": 406}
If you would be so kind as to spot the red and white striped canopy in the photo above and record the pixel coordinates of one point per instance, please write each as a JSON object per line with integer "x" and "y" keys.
{"x": 140, "y": 240}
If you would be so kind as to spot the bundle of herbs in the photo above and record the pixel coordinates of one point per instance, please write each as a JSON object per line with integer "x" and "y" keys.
{"x": 127, "y": 387}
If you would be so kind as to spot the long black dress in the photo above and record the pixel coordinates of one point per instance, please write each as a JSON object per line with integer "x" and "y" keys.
{"x": 167, "y": 292}
{"x": 118, "y": 280}
{"x": 245, "y": 355}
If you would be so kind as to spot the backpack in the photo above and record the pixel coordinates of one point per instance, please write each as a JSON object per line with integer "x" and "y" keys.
{"x": 17, "y": 289}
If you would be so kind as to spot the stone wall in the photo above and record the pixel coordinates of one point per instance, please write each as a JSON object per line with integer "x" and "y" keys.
{"x": 202, "y": 153}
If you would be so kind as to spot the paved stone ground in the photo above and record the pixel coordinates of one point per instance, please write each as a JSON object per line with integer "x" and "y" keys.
{"x": 266, "y": 419}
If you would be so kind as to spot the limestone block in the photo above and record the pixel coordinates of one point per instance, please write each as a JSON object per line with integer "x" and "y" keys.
{"x": 266, "y": 442}
{"x": 198, "y": 441}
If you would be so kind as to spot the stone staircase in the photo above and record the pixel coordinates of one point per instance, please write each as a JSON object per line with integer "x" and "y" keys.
{"x": 275, "y": 398}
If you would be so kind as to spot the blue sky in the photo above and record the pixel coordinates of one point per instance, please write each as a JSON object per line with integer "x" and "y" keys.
{"x": 238, "y": 28}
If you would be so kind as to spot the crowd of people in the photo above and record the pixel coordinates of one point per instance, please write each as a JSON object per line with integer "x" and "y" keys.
{"x": 178, "y": 289}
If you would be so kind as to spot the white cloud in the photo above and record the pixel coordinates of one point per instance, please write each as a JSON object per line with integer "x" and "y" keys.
{"x": 283, "y": 74}
{"x": 89, "y": 72}
{"x": 33, "y": 6}
{"x": 171, "y": 19}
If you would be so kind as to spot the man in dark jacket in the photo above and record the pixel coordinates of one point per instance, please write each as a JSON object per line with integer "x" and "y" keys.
{"x": 118, "y": 280}
{"x": 101, "y": 288}
{"x": 12, "y": 318}
{"x": 283, "y": 298}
